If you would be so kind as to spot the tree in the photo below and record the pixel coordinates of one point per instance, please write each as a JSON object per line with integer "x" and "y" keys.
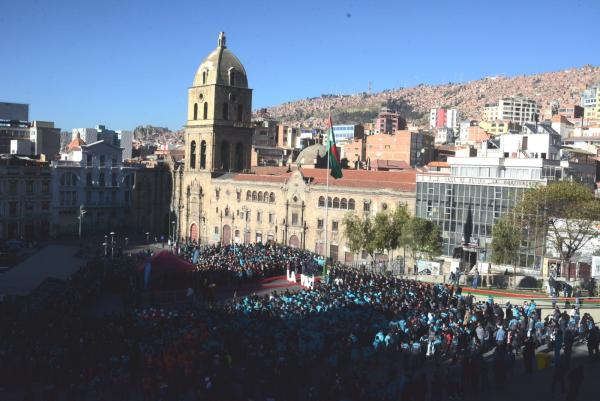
{"x": 423, "y": 236}
{"x": 506, "y": 240}
{"x": 563, "y": 212}
{"x": 359, "y": 234}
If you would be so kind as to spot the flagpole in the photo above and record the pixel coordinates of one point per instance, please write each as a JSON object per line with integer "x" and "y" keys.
{"x": 327, "y": 194}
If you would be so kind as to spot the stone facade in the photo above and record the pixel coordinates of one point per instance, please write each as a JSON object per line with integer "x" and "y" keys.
{"x": 218, "y": 199}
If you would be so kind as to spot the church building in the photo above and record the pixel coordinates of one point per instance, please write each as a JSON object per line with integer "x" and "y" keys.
{"x": 219, "y": 198}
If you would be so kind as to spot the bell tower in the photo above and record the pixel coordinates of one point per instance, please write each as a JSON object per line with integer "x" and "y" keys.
{"x": 218, "y": 133}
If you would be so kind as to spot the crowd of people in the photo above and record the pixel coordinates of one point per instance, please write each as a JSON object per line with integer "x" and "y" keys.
{"x": 416, "y": 340}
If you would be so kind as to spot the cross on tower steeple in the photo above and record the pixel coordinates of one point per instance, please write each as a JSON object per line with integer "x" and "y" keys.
{"x": 221, "y": 42}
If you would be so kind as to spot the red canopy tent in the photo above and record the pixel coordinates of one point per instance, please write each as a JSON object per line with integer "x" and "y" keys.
{"x": 165, "y": 262}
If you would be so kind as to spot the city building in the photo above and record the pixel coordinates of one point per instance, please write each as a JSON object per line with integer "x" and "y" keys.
{"x": 562, "y": 125}
{"x": 125, "y": 139}
{"x": 590, "y": 101}
{"x": 498, "y": 127}
{"x": 22, "y": 147}
{"x": 443, "y": 117}
{"x": 444, "y": 135}
{"x": 265, "y": 132}
{"x": 517, "y": 109}
{"x": 348, "y": 133}
{"x": 14, "y": 111}
{"x": 151, "y": 197}
{"x": 88, "y": 135}
{"x": 571, "y": 111}
{"x": 122, "y": 139}
{"x": 478, "y": 190}
{"x": 355, "y": 152}
{"x": 412, "y": 147}
{"x": 25, "y": 198}
{"x": 90, "y": 178}
{"x": 218, "y": 199}
{"x": 388, "y": 122}
{"x": 43, "y": 136}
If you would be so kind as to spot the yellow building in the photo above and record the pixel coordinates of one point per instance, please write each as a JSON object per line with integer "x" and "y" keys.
{"x": 498, "y": 127}
{"x": 218, "y": 199}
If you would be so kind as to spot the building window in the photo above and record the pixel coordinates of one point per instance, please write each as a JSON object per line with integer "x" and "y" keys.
{"x": 336, "y": 203}
{"x": 89, "y": 160}
{"x": 351, "y": 204}
{"x": 45, "y": 187}
{"x": 366, "y": 206}
{"x": 217, "y": 193}
{"x": 193, "y": 155}
{"x": 88, "y": 180}
{"x": 12, "y": 186}
{"x": 195, "y": 111}
{"x": 205, "y": 110}
{"x": 204, "y": 74}
{"x": 12, "y": 209}
{"x": 321, "y": 201}
{"x": 203, "y": 154}
{"x": 238, "y": 195}
{"x": 101, "y": 181}
{"x": 216, "y": 230}
{"x": 334, "y": 225}
{"x": 248, "y": 196}
{"x": 270, "y": 218}
{"x": 320, "y": 224}
{"x": 254, "y": 196}
{"x": 45, "y": 205}
{"x": 102, "y": 160}
{"x": 329, "y": 202}
{"x": 240, "y": 112}
{"x": 294, "y": 219}
{"x": 225, "y": 111}
{"x": 260, "y": 197}
{"x": 272, "y": 197}
{"x": 258, "y": 216}
{"x": 29, "y": 186}
{"x": 344, "y": 203}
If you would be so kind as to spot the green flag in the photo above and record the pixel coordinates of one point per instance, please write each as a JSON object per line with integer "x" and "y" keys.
{"x": 332, "y": 153}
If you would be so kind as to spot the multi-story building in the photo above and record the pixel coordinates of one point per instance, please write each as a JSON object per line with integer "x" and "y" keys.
{"x": 217, "y": 201}
{"x": 122, "y": 139}
{"x": 499, "y": 127}
{"x": 151, "y": 198}
{"x": 467, "y": 201}
{"x": 444, "y": 135}
{"x": 388, "y": 122}
{"x": 126, "y": 143}
{"x": 92, "y": 178}
{"x": 517, "y": 109}
{"x": 88, "y": 135}
{"x": 443, "y": 117}
{"x": 415, "y": 148}
{"x": 265, "y": 132}
{"x": 571, "y": 111}
{"x": 348, "y": 133}
{"x": 44, "y": 137}
{"x": 563, "y": 126}
{"x": 590, "y": 101}
{"x": 25, "y": 198}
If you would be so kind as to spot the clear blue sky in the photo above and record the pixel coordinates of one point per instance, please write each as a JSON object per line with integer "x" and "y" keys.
{"x": 126, "y": 63}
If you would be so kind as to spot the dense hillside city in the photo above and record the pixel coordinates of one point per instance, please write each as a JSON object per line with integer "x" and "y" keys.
{"x": 563, "y": 87}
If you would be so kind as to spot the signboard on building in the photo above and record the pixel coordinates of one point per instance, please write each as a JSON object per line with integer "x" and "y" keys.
{"x": 596, "y": 266}
{"x": 428, "y": 267}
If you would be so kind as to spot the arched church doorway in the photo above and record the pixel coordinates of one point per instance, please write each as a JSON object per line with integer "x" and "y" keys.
{"x": 294, "y": 242}
{"x": 226, "y": 240}
{"x": 194, "y": 232}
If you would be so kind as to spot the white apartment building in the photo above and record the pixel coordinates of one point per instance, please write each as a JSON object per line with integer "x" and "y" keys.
{"x": 90, "y": 177}
{"x": 516, "y": 109}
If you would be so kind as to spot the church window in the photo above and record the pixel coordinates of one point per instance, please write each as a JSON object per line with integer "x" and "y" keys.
{"x": 240, "y": 112}
{"x": 204, "y": 74}
{"x": 260, "y": 197}
{"x": 239, "y": 156}
{"x": 205, "y": 110}
{"x": 225, "y": 111}
{"x": 225, "y": 155}
{"x": 193, "y": 155}
{"x": 351, "y": 204}
{"x": 203, "y": 154}
{"x": 336, "y": 203}
{"x": 321, "y": 201}
{"x": 232, "y": 77}
{"x": 272, "y": 197}
{"x": 343, "y": 204}
{"x": 254, "y": 195}
{"x": 248, "y": 195}
{"x": 195, "y": 111}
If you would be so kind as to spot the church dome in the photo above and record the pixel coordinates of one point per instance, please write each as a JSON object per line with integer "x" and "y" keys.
{"x": 221, "y": 67}
{"x": 313, "y": 155}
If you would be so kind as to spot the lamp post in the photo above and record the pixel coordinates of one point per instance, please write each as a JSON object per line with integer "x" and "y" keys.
{"x": 105, "y": 243}
{"x": 112, "y": 244}
{"x": 82, "y": 213}
{"x": 147, "y": 237}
